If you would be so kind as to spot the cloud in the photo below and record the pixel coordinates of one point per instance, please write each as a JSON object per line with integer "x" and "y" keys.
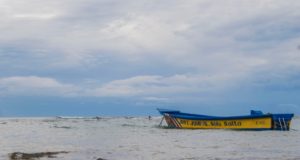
{"x": 148, "y": 48}
{"x": 202, "y": 30}
{"x": 35, "y": 16}
{"x": 156, "y": 99}
{"x": 151, "y": 86}
{"x": 147, "y": 87}
{"x": 35, "y": 86}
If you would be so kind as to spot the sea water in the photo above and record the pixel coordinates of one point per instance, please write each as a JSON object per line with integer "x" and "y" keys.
{"x": 138, "y": 138}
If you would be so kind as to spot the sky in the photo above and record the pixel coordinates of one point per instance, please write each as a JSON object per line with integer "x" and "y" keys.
{"x": 112, "y": 57}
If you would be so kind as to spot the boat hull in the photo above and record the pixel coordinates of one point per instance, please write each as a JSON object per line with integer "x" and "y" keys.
{"x": 255, "y": 123}
{"x": 176, "y": 119}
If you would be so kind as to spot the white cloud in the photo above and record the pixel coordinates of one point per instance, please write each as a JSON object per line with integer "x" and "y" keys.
{"x": 37, "y": 86}
{"x": 151, "y": 86}
{"x": 207, "y": 45}
{"x": 156, "y": 99}
{"x": 35, "y": 16}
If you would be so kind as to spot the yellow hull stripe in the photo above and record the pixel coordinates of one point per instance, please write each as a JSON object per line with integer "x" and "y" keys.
{"x": 255, "y": 123}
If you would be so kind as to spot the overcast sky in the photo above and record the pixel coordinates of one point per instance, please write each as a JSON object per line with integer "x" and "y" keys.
{"x": 112, "y": 57}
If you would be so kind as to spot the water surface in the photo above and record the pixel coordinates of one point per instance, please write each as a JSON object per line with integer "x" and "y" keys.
{"x": 128, "y": 138}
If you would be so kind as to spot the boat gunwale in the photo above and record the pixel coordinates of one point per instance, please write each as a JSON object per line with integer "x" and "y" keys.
{"x": 204, "y": 117}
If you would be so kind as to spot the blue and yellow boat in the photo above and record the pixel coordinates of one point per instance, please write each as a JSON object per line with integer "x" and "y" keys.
{"x": 255, "y": 121}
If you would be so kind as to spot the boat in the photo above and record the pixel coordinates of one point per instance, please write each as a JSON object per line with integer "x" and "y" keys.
{"x": 257, "y": 120}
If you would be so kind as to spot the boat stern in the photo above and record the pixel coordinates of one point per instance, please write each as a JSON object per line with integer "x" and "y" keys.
{"x": 281, "y": 121}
